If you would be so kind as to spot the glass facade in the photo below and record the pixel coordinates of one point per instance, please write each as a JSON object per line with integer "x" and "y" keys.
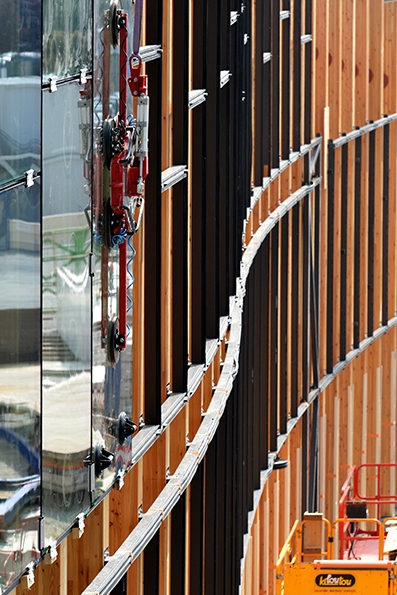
{"x": 20, "y": 409}
{"x": 66, "y": 329}
{"x": 20, "y": 45}
{"x": 60, "y": 399}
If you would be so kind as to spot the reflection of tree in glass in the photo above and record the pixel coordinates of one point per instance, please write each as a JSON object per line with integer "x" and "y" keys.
{"x": 78, "y": 252}
{"x": 20, "y": 26}
{"x": 66, "y": 37}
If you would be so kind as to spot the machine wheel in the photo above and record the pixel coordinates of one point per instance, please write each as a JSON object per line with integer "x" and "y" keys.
{"x": 113, "y": 353}
{"x": 114, "y": 24}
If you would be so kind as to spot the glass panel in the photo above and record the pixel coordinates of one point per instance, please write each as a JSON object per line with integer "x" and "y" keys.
{"x": 112, "y": 385}
{"x": 67, "y": 33}
{"x": 20, "y": 45}
{"x": 19, "y": 379}
{"x": 66, "y": 310}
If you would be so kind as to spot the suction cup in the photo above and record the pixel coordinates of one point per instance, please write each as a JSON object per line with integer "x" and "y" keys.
{"x": 125, "y": 427}
{"x": 102, "y": 459}
{"x": 113, "y": 353}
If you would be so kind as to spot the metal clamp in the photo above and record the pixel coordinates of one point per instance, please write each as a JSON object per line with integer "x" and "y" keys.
{"x": 29, "y": 181}
{"x": 53, "y": 84}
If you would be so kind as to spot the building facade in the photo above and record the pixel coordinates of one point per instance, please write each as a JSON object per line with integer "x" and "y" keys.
{"x": 198, "y": 254}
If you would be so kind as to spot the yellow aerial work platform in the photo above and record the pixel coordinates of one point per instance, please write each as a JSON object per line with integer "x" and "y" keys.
{"x": 339, "y": 576}
{"x": 356, "y": 554}
{"x": 307, "y": 566}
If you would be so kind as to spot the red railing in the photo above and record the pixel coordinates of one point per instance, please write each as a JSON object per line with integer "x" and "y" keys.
{"x": 350, "y": 493}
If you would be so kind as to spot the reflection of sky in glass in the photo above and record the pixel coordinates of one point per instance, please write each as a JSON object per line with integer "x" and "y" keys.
{"x": 19, "y": 376}
{"x": 66, "y": 314}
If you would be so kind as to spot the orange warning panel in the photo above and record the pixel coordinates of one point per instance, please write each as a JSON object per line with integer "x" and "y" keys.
{"x": 306, "y": 579}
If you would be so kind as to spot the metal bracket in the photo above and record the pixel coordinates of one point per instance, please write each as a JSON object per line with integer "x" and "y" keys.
{"x": 53, "y": 84}
{"x": 233, "y": 17}
{"x": 120, "y": 478}
{"x": 27, "y": 580}
{"x": 172, "y": 176}
{"x": 196, "y": 96}
{"x": 52, "y": 554}
{"x": 225, "y": 77}
{"x": 29, "y": 178}
{"x": 306, "y": 39}
{"x": 78, "y": 530}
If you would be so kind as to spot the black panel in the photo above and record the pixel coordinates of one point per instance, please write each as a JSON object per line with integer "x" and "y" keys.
{"x": 264, "y": 333}
{"x": 153, "y": 240}
{"x": 259, "y": 95}
{"x": 305, "y": 462}
{"x": 257, "y": 368}
{"x": 273, "y": 414}
{"x": 198, "y": 175}
{"x": 343, "y": 251}
{"x": 212, "y": 170}
{"x": 296, "y": 89}
{"x": 180, "y": 89}
{"x": 371, "y": 232}
{"x": 308, "y": 74}
{"x": 294, "y": 337}
{"x": 385, "y": 219}
{"x": 275, "y": 88}
{"x": 357, "y": 237}
{"x": 286, "y": 92}
{"x": 305, "y": 296}
{"x": 283, "y": 302}
{"x": 196, "y": 533}
{"x": 267, "y": 67}
{"x": 151, "y": 567}
{"x": 210, "y": 519}
{"x": 330, "y": 258}
{"x": 178, "y": 538}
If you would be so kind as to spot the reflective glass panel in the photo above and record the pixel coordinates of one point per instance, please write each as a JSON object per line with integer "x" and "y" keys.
{"x": 19, "y": 379}
{"x": 67, "y": 31}
{"x": 66, "y": 308}
{"x": 20, "y": 46}
{"x": 112, "y": 384}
